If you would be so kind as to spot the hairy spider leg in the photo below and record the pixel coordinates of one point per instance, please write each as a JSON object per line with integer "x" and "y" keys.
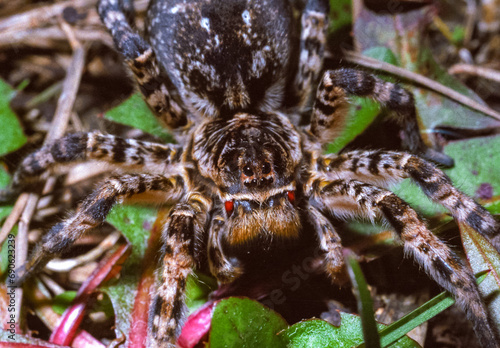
{"x": 330, "y": 245}
{"x": 386, "y": 167}
{"x": 181, "y": 236}
{"x": 350, "y": 197}
{"x": 220, "y": 267}
{"x": 80, "y": 147}
{"x": 329, "y": 110}
{"x": 155, "y": 86}
{"x": 127, "y": 7}
{"x": 314, "y": 23}
{"x": 93, "y": 212}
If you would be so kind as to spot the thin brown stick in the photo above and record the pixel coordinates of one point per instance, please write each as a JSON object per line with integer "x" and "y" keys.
{"x": 470, "y": 21}
{"x": 486, "y": 73}
{"x": 48, "y": 37}
{"x": 13, "y": 217}
{"x": 371, "y": 63}
{"x": 65, "y": 265}
{"x": 70, "y": 88}
{"x": 59, "y": 123}
{"x": 42, "y": 16}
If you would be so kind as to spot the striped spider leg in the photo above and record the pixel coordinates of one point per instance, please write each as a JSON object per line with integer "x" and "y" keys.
{"x": 149, "y": 158}
{"x": 353, "y": 198}
{"x": 155, "y": 86}
{"x": 330, "y": 109}
{"x": 181, "y": 236}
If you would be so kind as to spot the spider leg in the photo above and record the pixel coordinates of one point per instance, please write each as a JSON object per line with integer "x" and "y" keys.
{"x": 79, "y": 147}
{"x": 92, "y": 213}
{"x": 384, "y": 167}
{"x": 345, "y": 198}
{"x": 180, "y": 236}
{"x": 314, "y": 22}
{"x": 220, "y": 267}
{"x": 155, "y": 86}
{"x": 330, "y": 107}
{"x": 330, "y": 245}
{"x": 127, "y": 7}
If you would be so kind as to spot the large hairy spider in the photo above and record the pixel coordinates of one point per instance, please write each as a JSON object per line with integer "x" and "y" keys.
{"x": 249, "y": 183}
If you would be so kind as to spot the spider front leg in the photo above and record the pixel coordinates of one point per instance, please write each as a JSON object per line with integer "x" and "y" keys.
{"x": 387, "y": 167}
{"x": 330, "y": 245}
{"x": 92, "y": 213}
{"x": 155, "y": 86}
{"x": 113, "y": 150}
{"x": 350, "y": 197}
{"x": 330, "y": 108}
{"x": 180, "y": 237}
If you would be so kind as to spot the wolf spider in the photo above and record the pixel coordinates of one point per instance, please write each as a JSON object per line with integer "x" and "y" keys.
{"x": 249, "y": 183}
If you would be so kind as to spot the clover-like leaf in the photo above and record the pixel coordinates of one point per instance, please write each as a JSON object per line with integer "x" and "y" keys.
{"x": 319, "y": 333}
{"x": 241, "y": 322}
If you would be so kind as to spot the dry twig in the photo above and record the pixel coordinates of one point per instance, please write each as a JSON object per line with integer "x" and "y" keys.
{"x": 468, "y": 69}
{"x": 59, "y": 123}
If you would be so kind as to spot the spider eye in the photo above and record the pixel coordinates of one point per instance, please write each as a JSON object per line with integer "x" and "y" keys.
{"x": 291, "y": 196}
{"x": 248, "y": 171}
{"x": 266, "y": 168}
{"x": 229, "y": 205}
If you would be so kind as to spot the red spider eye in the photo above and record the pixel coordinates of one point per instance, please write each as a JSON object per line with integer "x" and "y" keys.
{"x": 229, "y": 205}
{"x": 291, "y": 196}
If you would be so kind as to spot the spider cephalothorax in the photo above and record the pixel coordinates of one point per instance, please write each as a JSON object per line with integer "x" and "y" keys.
{"x": 249, "y": 184}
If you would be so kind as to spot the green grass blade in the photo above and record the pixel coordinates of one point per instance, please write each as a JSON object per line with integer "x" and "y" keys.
{"x": 419, "y": 316}
{"x": 365, "y": 304}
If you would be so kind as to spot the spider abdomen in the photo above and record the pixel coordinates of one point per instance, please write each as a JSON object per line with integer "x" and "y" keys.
{"x": 223, "y": 55}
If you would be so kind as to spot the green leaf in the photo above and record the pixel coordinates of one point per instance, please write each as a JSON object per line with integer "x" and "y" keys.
{"x": 198, "y": 287}
{"x": 135, "y": 113}
{"x": 4, "y": 252}
{"x": 12, "y": 133}
{"x": 362, "y": 112}
{"x": 135, "y": 224}
{"x": 482, "y": 256}
{"x": 383, "y": 54}
{"x": 493, "y": 206}
{"x": 458, "y": 34}
{"x": 318, "y": 333}
{"x": 365, "y": 304}
{"x": 340, "y": 14}
{"x": 62, "y": 301}
{"x": 241, "y": 322}
{"x": 4, "y": 182}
